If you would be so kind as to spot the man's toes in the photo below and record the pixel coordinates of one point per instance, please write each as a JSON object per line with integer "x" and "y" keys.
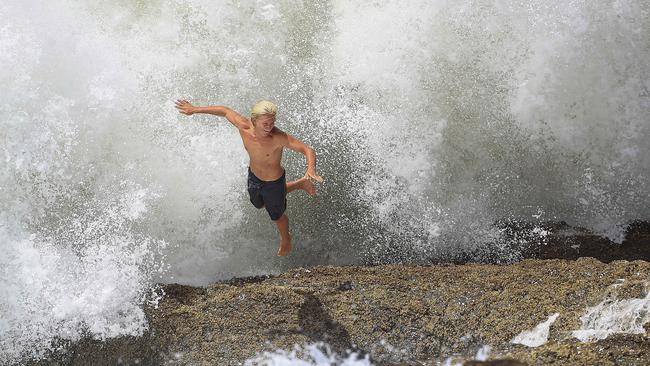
{"x": 310, "y": 187}
{"x": 283, "y": 251}
{"x": 285, "y": 248}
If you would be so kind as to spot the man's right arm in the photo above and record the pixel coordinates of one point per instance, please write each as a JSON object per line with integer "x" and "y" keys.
{"x": 235, "y": 118}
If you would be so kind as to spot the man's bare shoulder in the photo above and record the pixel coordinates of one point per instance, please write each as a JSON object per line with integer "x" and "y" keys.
{"x": 280, "y": 136}
{"x": 246, "y": 123}
{"x": 246, "y": 129}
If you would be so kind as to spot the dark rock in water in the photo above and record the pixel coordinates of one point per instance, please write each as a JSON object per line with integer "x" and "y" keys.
{"x": 395, "y": 314}
{"x": 240, "y": 281}
{"x": 566, "y": 242}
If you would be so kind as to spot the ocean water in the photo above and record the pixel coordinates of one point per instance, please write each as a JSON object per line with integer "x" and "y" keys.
{"x": 320, "y": 354}
{"x": 315, "y": 354}
{"x": 433, "y": 121}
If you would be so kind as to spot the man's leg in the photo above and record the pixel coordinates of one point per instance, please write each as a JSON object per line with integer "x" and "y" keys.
{"x": 303, "y": 183}
{"x": 283, "y": 227}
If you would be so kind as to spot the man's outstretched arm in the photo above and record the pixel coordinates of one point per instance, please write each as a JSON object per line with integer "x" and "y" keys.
{"x": 299, "y": 146}
{"x": 235, "y": 118}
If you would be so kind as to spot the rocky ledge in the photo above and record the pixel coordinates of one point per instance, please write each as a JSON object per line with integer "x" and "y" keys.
{"x": 403, "y": 315}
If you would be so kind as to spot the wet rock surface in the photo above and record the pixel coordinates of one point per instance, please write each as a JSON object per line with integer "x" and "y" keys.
{"x": 567, "y": 242}
{"x": 397, "y": 314}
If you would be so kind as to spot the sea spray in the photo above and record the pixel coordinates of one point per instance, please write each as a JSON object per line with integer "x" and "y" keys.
{"x": 315, "y": 354}
{"x": 433, "y": 123}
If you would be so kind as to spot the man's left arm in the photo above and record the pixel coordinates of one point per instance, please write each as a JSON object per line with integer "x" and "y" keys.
{"x": 299, "y": 146}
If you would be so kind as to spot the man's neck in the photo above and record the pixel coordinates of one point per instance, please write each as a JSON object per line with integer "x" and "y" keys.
{"x": 262, "y": 135}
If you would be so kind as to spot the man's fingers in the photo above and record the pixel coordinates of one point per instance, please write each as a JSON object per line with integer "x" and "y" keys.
{"x": 183, "y": 106}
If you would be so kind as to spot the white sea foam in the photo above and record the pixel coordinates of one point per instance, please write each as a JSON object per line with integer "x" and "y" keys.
{"x": 316, "y": 354}
{"x": 612, "y": 316}
{"x": 482, "y": 354}
{"x": 536, "y": 336}
{"x": 435, "y": 121}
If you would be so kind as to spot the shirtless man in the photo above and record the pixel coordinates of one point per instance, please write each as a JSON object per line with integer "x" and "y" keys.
{"x": 264, "y": 143}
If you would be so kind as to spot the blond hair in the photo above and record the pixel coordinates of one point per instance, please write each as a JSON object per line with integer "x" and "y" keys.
{"x": 263, "y": 107}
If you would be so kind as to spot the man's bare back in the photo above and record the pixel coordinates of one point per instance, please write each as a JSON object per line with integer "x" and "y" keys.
{"x": 265, "y": 143}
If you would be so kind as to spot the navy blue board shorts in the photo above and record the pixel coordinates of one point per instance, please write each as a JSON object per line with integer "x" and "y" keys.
{"x": 272, "y": 195}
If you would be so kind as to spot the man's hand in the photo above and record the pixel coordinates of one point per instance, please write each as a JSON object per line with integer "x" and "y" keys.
{"x": 185, "y": 107}
{"x": 311, "y": 173}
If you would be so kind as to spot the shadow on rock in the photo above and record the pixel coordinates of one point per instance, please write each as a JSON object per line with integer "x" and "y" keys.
{"x": 319, "y": 326}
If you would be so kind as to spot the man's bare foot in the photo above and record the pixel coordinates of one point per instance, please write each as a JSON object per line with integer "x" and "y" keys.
{"x": 285, "y": 247}
{"x": 306, "y": 184}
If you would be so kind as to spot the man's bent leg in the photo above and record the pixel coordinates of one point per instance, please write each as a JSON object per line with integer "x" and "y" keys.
{"x": 303, "y": 183}
{"x": 283, "y": 227}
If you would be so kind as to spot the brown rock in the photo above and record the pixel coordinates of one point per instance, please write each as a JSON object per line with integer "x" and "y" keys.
{"x": 398, "y": 314}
